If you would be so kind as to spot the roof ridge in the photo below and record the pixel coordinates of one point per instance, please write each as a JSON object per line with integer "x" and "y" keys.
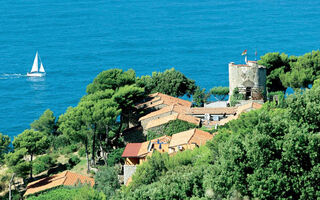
{"x": 194, "y": 132}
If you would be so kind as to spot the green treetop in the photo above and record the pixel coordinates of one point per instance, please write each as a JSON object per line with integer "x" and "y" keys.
{"x": 170, "y": 82}
{"x": 102, "y": 121}
{"x": 276, "y": 65}
{"x": 17, "y": 163}
{"x": 220, "y": 93}
{"x": 34, "y": 142}
{"x": 200, "y": 97}
{"x": 73, "y": 124}
{"x": 46, "y": 123}
{"x": 304, "y": 70}
{"x": 111, "y": 79}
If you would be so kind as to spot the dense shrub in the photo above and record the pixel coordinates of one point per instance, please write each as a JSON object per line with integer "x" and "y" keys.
{"x": 15, "y": 195}
{"x": 150, "y": 171}
{"x": 82, "y": 152}
{"x": 73, "y": 147}
{"x": 60, "y": 141}
{"x": 271, "y": 153}
{"x": 173, "y": 127}
{"x": 159, "y": 164}
{"x": 177, "y": 126}
{"x": 43, "y": 163}
{"x": 115, "y": 157}
{"x": 235, "y": 97}
{"x": 69, "y": 149}
{"x": 73, "y": 160}
{"x": 66, "y": 193}
{"x": 106, "y": 181}
{"x": 183, "y": 182}
{"x": 278, "y": 97}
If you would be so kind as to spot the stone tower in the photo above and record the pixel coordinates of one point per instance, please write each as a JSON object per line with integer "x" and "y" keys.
{"x": 250, "y": 79}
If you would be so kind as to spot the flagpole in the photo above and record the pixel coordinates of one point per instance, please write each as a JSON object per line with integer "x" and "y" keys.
{"x": 256, "y": 53}
{"x": 244, "y": 53}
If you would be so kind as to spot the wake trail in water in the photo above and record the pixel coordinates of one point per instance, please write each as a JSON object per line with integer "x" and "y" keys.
{"x": 11, "y": 76}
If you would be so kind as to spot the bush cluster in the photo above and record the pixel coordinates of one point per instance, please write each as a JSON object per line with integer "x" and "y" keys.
{"x": 43, "y": 163}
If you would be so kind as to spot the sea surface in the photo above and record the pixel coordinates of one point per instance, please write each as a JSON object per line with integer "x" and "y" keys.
{"x": 77, "y": 39}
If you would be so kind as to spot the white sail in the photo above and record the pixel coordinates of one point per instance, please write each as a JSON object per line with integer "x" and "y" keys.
{"x": 35, "y": 64}
{"x": 41, "y": 68}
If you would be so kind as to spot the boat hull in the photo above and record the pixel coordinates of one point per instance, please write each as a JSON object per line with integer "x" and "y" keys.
{"x": 36, "y": 74}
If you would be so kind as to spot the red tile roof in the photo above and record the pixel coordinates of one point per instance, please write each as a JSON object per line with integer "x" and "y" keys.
{"x": 195, "y": 136}
{"x": 190, "y": 119}
{"x": 200, "y": 137}
{"x": 131, "y": 150}
{"x": 65, "y": 178}
{"x": 171, "y": 108}
{"x": 169, "y": 100}
{"x": 159, "y": 98}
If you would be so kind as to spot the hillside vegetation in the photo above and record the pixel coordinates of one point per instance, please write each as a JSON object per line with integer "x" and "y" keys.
{"x": 271, "y": 153}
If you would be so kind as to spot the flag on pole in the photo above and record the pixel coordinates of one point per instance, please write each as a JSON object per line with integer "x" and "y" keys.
{"x": 244, "y": 52}
{"x": 256, "y": 53}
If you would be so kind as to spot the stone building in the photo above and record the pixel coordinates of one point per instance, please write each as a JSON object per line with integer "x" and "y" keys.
{"x": 137, "y": 153}
{"x": 250, "y": 79}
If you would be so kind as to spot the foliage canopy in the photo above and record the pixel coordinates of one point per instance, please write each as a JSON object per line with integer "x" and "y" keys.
{"x": 170, "y": 82}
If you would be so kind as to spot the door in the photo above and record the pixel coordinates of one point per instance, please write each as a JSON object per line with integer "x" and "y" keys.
{"x": 248, "y": 93}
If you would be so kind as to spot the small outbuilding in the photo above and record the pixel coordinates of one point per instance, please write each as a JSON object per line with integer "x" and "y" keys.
{"x": 65, "y": 178}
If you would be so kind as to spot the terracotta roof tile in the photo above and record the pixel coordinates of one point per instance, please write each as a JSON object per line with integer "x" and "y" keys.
{"x": 200, "y": 137}
{"x": 190, "y": 119}
{"x": 153, "y": 102}
{"x": 65, "y": 178}
{"x": 153, "y": 95}
{"x": 131, "y": 150}
{"x": 193, "y": 136}
{"x": 248, "y": 106}
{"x": 181, "y": 138}
{"x": 174, "y": 116}
{"x": 169, "y": 100}
{"x": 159, "y": 98}
{"x": 161, "y": 121}
{"x": 158, "y": 112}
{"x": 143, "y": 149}
{"x": 73, "y": 179}
{"x": 171, "y": 108}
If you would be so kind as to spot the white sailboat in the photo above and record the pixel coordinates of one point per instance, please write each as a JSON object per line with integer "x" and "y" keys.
{"x": 35, "y": 71}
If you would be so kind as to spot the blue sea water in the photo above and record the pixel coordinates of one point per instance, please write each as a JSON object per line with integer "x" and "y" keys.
{"x": 77, "y": 39}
